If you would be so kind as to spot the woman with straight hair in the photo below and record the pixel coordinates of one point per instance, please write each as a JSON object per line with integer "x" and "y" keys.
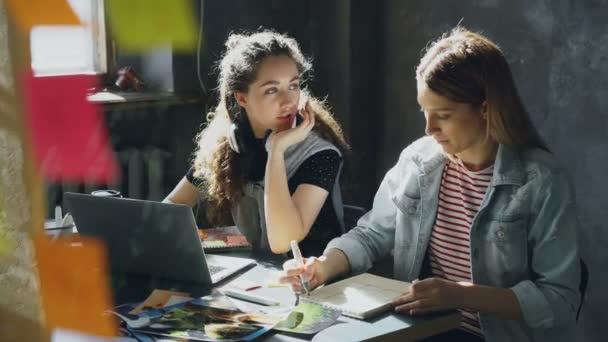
{"x": 271, "y": 154}
{"x": 478, "y": 214}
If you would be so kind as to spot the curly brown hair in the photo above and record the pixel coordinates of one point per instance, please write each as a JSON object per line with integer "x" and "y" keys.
{"x": 222, "y": 170}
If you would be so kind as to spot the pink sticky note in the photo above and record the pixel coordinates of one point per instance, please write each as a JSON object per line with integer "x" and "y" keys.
{"x": 69, "y": 137}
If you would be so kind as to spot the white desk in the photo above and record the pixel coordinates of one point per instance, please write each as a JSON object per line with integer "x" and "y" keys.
{"x": 386, "y": 327}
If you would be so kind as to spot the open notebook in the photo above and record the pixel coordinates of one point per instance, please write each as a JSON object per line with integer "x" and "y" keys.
{"x": 361, "y": 296}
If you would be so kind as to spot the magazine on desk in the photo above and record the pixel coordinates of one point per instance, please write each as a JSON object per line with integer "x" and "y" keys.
{"x": 216, "y": 318}
{"x": 223, "y": 239}
{"x": 196, "y": 320}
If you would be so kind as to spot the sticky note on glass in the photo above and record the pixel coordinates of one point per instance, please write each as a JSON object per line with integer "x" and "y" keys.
{"x": 14, "y": 327}
{"x": 138, "y": 25}
{"x": 30, "y": 13}
{"x": 7, "y": 244}
{"x": 69, "y": 135}
{"x": 74, "y": 285}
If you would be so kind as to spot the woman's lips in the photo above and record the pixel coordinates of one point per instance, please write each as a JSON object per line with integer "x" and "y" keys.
{"x": 287, "y": 118}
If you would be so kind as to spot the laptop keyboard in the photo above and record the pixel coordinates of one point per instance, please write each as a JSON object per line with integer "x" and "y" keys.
{"x": 215, "y": 269}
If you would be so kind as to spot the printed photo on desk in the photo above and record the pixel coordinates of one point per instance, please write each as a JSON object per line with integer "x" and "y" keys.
{"x": 223, "y": 239}
{"x": 196, "y": 321}
{"x": 305, "y": 318}
{"x": 308, "y": 318}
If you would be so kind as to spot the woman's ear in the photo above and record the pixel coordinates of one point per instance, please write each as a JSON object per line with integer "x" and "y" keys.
{"x": 484, "y": 110}
{"x": 241, "y": 98}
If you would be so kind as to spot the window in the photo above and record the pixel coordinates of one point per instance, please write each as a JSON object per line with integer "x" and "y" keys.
{"x": 61, "y": 50}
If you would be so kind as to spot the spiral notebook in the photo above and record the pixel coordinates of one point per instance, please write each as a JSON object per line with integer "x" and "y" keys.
{"x": 223, "y": 239}
{"x": 362, "y": 296}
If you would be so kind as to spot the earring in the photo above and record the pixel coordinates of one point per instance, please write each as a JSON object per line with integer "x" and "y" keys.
{"x": 232, "y": 137}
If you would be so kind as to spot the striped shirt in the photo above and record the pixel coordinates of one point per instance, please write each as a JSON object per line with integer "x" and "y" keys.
{"x": 460, "y": 196}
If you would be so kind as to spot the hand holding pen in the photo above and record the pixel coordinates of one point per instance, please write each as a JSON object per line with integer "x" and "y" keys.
{"x": 309, "y": 269}
{"x": 300, "y": 263}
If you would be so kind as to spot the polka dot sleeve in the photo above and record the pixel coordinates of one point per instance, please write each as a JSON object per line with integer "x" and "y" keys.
{"x": 320, "y": 169}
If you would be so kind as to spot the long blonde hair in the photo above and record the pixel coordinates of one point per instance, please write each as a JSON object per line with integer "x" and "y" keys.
{"x": 222, "y": 170}
{"x": 467, "y": 67}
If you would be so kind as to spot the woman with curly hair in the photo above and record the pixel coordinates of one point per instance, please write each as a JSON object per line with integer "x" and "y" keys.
{"x": 271, "y": 154}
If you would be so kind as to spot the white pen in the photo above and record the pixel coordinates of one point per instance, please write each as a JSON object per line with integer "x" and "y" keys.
{"x": 300, "y": 262}
{"x": 248, "y": 296}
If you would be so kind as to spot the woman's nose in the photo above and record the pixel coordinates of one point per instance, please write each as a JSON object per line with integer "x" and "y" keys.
{"x": 288, "y": 99}
{"x": 431, "y": 125}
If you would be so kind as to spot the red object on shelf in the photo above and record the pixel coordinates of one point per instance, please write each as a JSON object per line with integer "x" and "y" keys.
{"x": 128, "y": 79}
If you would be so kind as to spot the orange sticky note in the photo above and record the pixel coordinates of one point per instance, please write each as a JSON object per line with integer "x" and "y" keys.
{"x": 29, "y": 13}
{"x": 69, "y": 135}
{"x": 74, "y": 285}
{"x": 139, "y": 25}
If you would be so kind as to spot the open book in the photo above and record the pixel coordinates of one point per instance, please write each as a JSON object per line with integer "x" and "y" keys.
{"x": 361, "y": 296}
{"x": 223, "y": 239}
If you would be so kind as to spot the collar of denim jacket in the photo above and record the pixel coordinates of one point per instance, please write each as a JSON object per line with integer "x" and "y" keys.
{"x": 508, "y": 168}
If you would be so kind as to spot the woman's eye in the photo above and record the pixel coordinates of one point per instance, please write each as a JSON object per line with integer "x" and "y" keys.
{"x": 270, "y": 91}
{"x": 443, "y": 116}
{"x": 294, "y": 86}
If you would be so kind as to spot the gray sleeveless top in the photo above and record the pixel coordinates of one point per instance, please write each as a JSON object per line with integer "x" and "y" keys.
{"x": 248, "y": 213}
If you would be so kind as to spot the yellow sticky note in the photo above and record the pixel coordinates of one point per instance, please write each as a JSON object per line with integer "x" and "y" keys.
{"x": 29, "y": 13}
{"x": 143, "y": 24}
{"x": 7, "y": 245}
{"x": 74, "y": 285}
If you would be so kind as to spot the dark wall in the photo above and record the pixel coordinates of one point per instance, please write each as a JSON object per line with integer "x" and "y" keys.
{"x": 557, "y": 52}
{"x": 222, "y": 17}
{"x": 153, "y": 143}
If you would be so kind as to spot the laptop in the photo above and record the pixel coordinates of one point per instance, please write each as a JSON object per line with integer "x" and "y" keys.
{"x": 151, "y": 239}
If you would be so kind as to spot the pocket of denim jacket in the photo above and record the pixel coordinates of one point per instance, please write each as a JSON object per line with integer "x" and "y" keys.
{"x": 507, "y": 230}
{"x": 508, "y": 248}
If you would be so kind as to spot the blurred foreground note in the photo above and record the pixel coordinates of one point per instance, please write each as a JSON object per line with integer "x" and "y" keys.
{"x": 74, "y": 285}
{"x": 16, "y": 328}
{"x": 29, "y": 13}
{"x": 7, "y": 245}
{"x": 139, "y": 25}
{"x": 69, "y": 136}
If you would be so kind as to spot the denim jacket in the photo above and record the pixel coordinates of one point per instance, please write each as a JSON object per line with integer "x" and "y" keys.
{"x": 524, "y": 236}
